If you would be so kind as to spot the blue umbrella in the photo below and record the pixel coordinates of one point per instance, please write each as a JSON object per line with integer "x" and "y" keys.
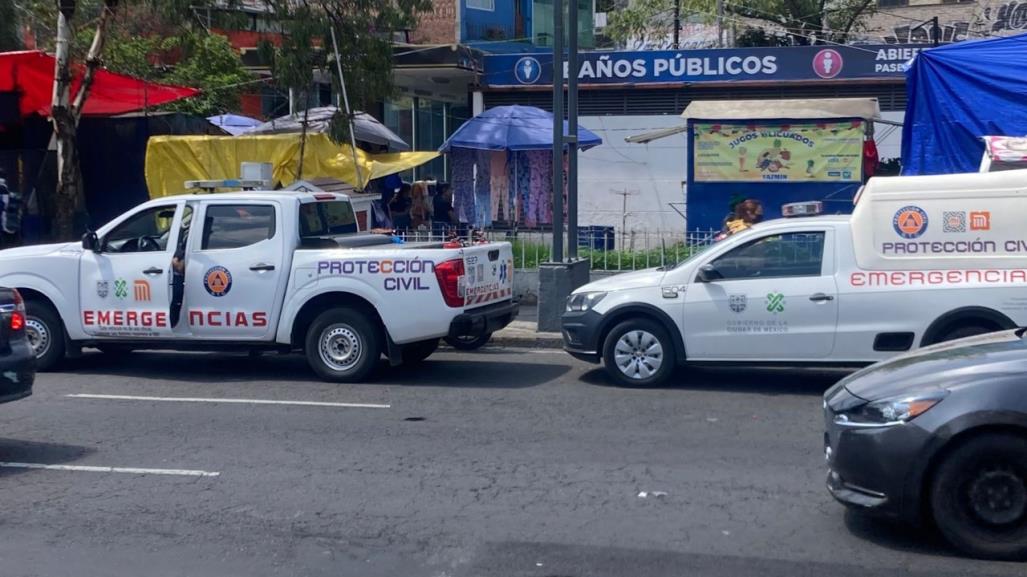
{"x": 233, "y": 123}
{"x": 513, "y": 128}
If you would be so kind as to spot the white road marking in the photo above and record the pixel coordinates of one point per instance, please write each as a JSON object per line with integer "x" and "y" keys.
{"x": 235, "y": 401}
{"x": 132, "y": 470}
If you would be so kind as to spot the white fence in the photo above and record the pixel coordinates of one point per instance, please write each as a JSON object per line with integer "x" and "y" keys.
{"x": 606, "y": 248}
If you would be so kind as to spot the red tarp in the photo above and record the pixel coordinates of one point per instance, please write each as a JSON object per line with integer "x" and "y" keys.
{"x": 31, "y": 73}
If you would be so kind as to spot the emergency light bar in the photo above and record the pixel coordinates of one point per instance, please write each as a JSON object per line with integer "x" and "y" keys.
{"x": 212, "y": 185}
{"x": 793, "y": 209}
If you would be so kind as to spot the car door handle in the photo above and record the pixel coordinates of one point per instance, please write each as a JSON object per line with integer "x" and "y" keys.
{"x": 262, "y": 267}
{"x": 820, "y": 297}
{"x": 153, "y": 270}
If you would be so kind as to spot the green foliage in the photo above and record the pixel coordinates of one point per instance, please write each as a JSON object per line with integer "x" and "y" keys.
{"x": 649, "y": 19}
{"x": 9, "y": 21}
{"x": 212, "y": 65}
{"x": 364, "y": 30}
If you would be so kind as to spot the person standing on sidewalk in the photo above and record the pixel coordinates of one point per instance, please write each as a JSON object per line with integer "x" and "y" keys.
{"x": 10, "y": 213}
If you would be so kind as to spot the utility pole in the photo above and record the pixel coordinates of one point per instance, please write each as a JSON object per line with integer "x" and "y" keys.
{"x": 677, "y": 24}
{"x": 558, "y": 130}
{"x": 720, "y": 23}
{"x": 572, "y": 130}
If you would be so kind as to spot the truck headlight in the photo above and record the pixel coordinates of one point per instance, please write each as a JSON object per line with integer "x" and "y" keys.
{"x": 581, "y": 302}
{"x": 891, "y": 411}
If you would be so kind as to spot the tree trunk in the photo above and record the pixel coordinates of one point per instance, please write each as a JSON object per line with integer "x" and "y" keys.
{"x": 66, "y": 115}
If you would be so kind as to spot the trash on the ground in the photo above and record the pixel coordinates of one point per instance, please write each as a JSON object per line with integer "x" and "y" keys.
{"x": 647, "y": 494}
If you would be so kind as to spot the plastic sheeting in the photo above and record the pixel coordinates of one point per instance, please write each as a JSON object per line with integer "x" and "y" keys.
{"x": 32, "y": 73}
{"x": 957, "y": 94}
{"x": 172, "y": 160}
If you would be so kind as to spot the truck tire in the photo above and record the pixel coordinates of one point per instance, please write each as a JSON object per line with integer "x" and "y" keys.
{"x": 343, "y": 345}
{"x": 639, "y": 353}
{"x": 979, "y": 497}
{"x": 45, "y": 332}
{"x": 417, "y": 352}
{"x": 468, "y": 342}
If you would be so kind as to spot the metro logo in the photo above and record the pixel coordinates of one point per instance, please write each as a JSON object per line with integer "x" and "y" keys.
{"x": 141, "y": 289}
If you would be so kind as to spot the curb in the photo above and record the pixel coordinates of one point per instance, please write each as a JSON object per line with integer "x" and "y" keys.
{"x": 542, "y": 341}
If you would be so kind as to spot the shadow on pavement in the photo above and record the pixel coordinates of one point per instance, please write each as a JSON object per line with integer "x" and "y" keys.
{"x": 17, "y": 451}
{"x": 896, "y": 535}
{"x": 762, "y": 380}
{"x": 235, "y": 367}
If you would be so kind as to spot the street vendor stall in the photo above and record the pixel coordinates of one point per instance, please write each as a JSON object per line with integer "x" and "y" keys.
{"x": 502, "y": 165}
{"x": 775, "y": 152}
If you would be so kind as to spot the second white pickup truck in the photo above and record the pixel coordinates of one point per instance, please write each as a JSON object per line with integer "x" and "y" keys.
{"x": 258, "y": 270}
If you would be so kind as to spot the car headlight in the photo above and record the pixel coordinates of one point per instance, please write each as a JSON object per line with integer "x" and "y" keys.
{"x": 581, "y": 302}
{"x": 891, "y": 411}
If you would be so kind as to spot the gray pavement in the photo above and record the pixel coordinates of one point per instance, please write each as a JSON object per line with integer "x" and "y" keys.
{"x": 507, "y": 462}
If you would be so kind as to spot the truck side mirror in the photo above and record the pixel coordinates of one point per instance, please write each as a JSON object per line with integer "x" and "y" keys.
{"x": 90, "y": 241}
{"x": 708, "y": 273}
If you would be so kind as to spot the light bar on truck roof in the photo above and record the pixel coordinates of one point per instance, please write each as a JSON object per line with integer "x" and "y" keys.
{"x": 794, "y": 209}
{"x": 211, "y": 185}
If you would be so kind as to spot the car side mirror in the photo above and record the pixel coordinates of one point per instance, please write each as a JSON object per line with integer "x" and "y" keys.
{"x": 708, "y": 273}
{"x": 90, "y": 241}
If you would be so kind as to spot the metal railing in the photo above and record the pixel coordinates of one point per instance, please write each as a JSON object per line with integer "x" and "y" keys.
{"x": 606, "y": 248}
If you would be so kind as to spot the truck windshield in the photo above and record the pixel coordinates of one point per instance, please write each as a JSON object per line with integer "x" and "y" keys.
{"x": 327, "y": 218}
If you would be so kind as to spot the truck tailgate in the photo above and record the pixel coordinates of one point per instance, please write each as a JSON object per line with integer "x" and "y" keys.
{"x": 488, "y": 273}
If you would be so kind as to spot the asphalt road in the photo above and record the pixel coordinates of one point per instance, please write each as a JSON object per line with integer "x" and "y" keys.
{"x": 502, "y": 462}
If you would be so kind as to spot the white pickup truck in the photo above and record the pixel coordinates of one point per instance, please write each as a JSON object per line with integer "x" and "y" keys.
{"x": 921, "y": 260}
{"x": 258, "y": 270}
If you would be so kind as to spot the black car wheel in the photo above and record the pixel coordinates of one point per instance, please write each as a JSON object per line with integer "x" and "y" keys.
{"x": 419, "y": 351}
{"x": 343, "y": 345}
{"x": 468, "y": 342}
{"x": 979, "y": 497}
{"x": 638, "y": 353}
{"x": 45, "y": 332}
{"x": 963, "y": 332}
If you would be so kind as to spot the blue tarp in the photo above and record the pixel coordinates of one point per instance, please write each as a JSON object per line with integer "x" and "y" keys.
{"x": 513, "y": 128}
{"x": 959, "y": 93}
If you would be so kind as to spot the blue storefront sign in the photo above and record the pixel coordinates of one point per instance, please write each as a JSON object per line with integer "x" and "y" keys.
{"x": 730, "y": 64}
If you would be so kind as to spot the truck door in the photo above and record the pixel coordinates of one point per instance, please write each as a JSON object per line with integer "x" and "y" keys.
{"x": 233, "y": 270}
{"x": 124, "y": 286}
{"x": 773, "y": 298}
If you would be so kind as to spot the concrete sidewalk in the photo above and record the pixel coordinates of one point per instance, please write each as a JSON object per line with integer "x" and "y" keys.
{"x": 523, "y": 332}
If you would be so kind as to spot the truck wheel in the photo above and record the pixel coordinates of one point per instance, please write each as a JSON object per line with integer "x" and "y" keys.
{"x": 468, "y": 342}
{"x": 979, "y": 497}
{"x": 964, "y": 331}
{"x": 419, "y": 351}
{"x": 45, "y": 332}
{"x": 343, "y": 345}
{"x": 638, "y": 353}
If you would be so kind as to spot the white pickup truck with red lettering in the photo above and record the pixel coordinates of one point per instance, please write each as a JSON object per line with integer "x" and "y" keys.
{"x": 921, "y": 260}
{"x": 286, "y": 271}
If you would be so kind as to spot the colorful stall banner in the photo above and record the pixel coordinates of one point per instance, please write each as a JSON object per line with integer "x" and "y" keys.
{"x": 778, "y": 151}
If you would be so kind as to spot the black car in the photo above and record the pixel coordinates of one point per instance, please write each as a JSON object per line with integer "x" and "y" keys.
{"x": 938, "y": 435}
{"x": 17, "y": 360}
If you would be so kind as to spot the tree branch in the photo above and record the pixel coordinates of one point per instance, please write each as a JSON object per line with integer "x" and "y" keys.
{"x": 93, "y": 58}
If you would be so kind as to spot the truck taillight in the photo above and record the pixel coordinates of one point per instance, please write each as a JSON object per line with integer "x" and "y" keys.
{"x": 450, "y": 275}
{"x": 18, "y": 316}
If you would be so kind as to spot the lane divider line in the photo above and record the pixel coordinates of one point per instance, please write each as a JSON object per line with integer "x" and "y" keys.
{"x": 232, "y": 401}
{"x": 91, "y": 469}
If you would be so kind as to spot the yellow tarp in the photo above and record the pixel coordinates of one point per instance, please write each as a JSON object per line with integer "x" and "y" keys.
{"x": 172, "y": 160}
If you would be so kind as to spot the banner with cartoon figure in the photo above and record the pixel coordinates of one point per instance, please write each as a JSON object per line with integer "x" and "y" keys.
{"x": 778, "y": 151}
